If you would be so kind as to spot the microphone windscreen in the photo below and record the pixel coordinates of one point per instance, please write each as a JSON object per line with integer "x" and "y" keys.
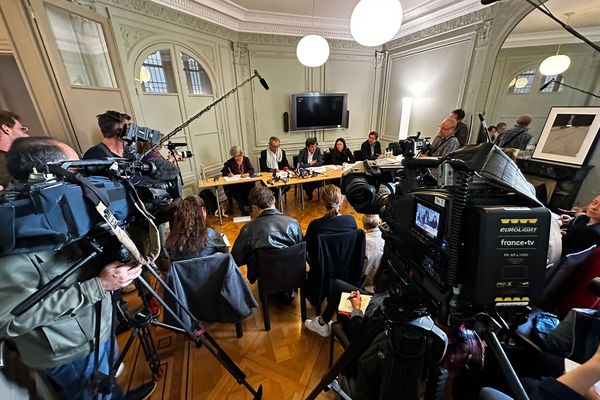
{"x": 165, "y": 170}
{"x": 486, "y": 2}
{"x": 264, "y": 83}
{"x": 480, "y": 117}
{"x": 545, "y": 85}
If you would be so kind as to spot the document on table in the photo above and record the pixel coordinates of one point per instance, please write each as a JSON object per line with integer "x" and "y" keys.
{"x": 235, "y": 178}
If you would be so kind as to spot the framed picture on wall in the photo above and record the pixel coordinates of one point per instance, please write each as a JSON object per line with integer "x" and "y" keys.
{"x": 569, "y": 135}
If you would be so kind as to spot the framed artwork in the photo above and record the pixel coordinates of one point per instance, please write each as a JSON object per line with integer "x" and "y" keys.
{"x": 568, "y": 135}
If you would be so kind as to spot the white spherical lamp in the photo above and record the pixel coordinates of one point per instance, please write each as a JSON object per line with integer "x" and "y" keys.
{"x": 555, "y": 65}
{"x": 375, "y": 22}
{"x": 312, "y": 50}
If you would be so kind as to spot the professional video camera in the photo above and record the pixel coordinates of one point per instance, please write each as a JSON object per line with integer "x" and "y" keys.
{"x": 57, "y": 207}
{"x": 474, "y": 240}
{"x": 410, "y": 146}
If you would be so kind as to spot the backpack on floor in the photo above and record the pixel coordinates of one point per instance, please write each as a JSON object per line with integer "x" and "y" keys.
{"x": 210, "y": 201}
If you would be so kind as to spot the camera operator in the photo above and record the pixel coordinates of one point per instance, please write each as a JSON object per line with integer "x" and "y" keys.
{"x": 57, "y": 334}
{"x": 111, "y": 125}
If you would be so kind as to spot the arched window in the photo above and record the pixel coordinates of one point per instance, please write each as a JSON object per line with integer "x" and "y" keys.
{"x": 522, "y": 83}
{"x": 555, "y": 86}
{"x": 160, "y": 67}
{"x": 197, "y": 78}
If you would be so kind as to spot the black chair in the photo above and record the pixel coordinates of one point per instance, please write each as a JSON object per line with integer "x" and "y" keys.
{"x": 280, "y": 270}
{"x": 295, "y": 161}
{"x": 358, "y": 155}
{"x": 328, "y": 158}
{"x": 213, "y": 288}
{"x": 340, "y": 256}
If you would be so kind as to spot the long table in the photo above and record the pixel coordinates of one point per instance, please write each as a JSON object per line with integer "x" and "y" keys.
{"x": 266, "y": 179}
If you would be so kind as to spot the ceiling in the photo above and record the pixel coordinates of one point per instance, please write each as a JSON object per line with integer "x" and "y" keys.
{"x": 331, "y": 18}
{"x": 538, "y": 29}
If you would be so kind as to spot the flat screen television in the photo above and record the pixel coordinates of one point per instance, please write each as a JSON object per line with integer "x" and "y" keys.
{"x": 319, "y": 111}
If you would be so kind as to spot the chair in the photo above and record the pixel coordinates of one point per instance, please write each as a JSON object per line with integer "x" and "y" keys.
{"x": 280, "y": 270}
{"x": 213, "y": 289}
{"x": 358, "y": 155}
{"x": 340, "y": 256}
{"x": 328, "y": 157}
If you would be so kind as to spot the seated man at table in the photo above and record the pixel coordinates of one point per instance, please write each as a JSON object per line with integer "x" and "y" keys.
{"x": 310, "y": 156}
{"x": 371, "y": 148}
{"x": 273, "y": 159}
{"x": 269, "y": 230}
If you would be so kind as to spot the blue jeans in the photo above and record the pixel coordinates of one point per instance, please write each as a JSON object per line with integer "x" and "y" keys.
{"x": 73, "y": 379}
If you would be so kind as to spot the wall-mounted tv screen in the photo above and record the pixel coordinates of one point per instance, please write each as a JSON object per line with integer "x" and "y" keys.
{"x": 319, "y": 111}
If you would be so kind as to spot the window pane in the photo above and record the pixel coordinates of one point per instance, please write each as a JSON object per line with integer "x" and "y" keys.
{"x": 555, "y": 86}
{"x": 82, "y": 48}
{"x": 522, "y": 82}
{"x": 162, "y": 79}
{"x": 197, "y": 78}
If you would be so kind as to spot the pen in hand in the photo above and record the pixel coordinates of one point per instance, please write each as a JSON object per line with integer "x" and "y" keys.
{"x": 230, "y": 173}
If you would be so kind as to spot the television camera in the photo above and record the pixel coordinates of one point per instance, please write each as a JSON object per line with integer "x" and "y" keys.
{"x": 474, "y": 240}
{"x": 56, "y": 210}
{"x": 466, "y": 249}
{"x": 411, "y": 146}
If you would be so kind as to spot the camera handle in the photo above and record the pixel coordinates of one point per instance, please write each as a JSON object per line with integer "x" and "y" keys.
{"x": 205, "y": 109}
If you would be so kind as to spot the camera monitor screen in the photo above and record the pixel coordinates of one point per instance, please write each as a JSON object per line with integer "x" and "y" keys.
{"x": 427, "y": 220}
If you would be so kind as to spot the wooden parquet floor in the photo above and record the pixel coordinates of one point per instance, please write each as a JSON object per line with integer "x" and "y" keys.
{"x": 288, "y": 360}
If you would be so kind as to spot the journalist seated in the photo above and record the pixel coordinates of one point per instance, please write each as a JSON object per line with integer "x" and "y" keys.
{"x": 584, "y": 231}
{"x": 57, "y": 334}
{"x": 190, "y": 235}
{"x": 330, "y": 223}
{"x": 270, "y": 230}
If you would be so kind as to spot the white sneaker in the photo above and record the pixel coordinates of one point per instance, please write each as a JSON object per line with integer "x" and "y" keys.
{"x": 315, "y": 326}
{"x": 120, "y": 370}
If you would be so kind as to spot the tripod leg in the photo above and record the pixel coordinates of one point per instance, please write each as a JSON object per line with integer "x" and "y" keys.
{"x": 200, "y": 335}
{"x": 355, "y": 350}
{"x": 123, "y": 352}
{"x": 150, "y": 352}
{"x": 509, "y": 373}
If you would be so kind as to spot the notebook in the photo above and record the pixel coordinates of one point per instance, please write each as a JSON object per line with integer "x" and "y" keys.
{"x": 345, "y": 306}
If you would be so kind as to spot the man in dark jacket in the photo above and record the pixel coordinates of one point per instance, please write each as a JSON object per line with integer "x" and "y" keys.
{"x": 270, "y": 230}
{"x": 371, "y": 148}
{"x": 310, "y": 156}
{"x": 516, "y": 137}
{"x": 462, "y": 130}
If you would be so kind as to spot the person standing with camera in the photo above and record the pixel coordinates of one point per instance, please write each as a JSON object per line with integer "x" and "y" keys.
{"x": 111, "y": 125}
{"x": 57, "y": 335}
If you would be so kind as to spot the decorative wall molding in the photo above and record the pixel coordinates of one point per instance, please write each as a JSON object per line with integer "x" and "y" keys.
{"x": 483, "y": 33}
{"x": 132, "y": 35}
{"x": 240, "y": 53}
{"x": 444, "y": 27}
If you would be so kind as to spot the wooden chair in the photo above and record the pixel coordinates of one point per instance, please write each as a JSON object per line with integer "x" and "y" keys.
{"x": 280, "y": 270}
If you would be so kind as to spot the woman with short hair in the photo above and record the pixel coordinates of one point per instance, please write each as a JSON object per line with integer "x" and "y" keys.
{"x": 238, "y": 164}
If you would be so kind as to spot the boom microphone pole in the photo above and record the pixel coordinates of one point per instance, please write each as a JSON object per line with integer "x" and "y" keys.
{"x": 553, "y": 80}
{"x": 208, "y": 107}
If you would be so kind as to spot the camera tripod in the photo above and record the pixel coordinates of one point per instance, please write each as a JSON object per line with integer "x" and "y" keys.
{"x": 415, "y": 346}
{"x": 140, "y": 323}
